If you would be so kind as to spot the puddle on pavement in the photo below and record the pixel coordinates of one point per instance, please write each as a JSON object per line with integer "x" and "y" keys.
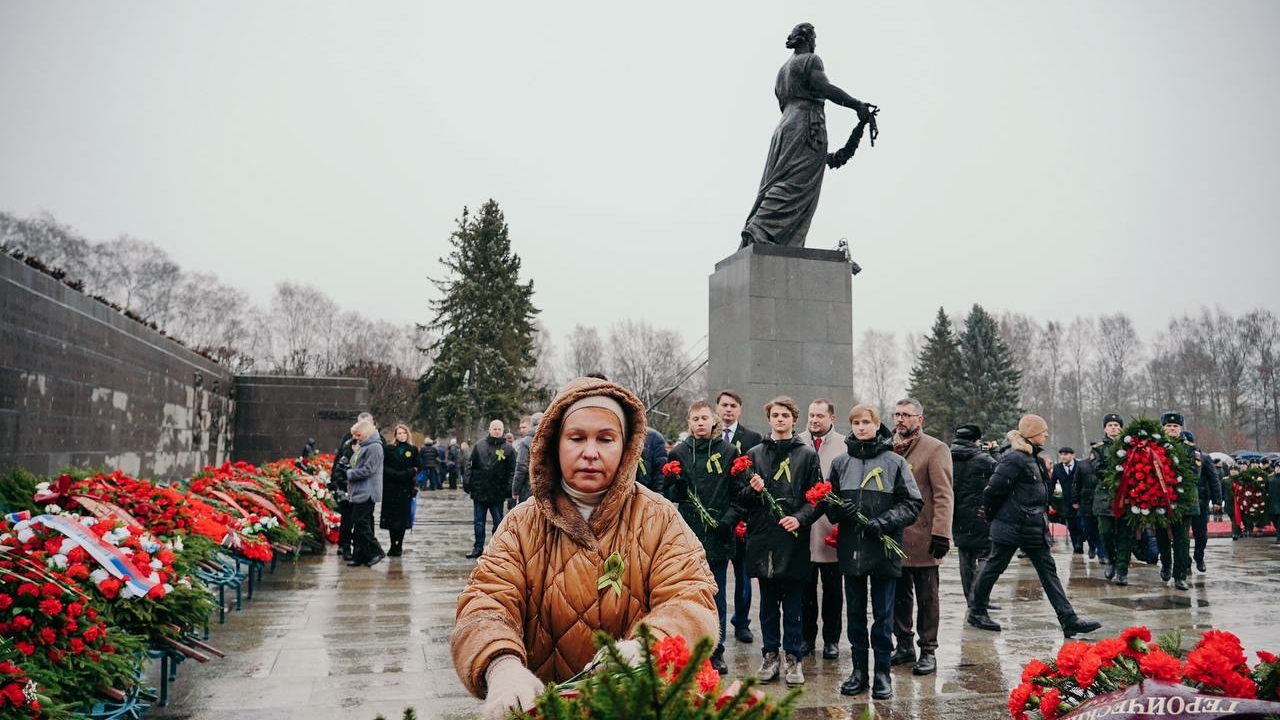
{"x": 1156, "y": 602}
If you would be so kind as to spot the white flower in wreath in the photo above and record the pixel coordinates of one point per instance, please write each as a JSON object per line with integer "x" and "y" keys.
{"x": 1159, "y": 511}
{"x": 1174, "y": 460}
{"x": 58, "y": 561}
{"x": 42, "y": 488}
{"x": 97, "y": 576}
{"x": 1146, "y": 511}
{"x": 1121, "y": 453}
{"x": 67, "y": 546}
{"x": 1128, "y": 439}
{"x": 1142, "y": 433}
{"x": 1135, "y": 510}
{"x": 53, "y": 508}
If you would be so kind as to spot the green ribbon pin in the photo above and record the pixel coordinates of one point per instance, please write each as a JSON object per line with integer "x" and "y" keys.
{"x": 784, "y": 468}
{"x": 614, "y": 565}
{"x": 502, "y": 454}
{"x": 715, "y": 459}
{"x": 643, "y": 472}
{"x": 874, "y": 475}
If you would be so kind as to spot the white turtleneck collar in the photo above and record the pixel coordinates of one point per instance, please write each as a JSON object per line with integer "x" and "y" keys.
{"x": 584, "y": 501}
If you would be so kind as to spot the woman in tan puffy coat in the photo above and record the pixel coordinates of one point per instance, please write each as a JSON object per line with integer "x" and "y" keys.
{"x": 536, "y": 598}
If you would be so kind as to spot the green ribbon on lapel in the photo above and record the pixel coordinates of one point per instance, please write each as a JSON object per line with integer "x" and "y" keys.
{"x": 715, "y": 459}
{"x": 502, "y": 454}
{"x": 643, "y": 472}
{"x": 784, "y": 468}
{"x": 875, "y": 474}
{"x": 614, "y": 566}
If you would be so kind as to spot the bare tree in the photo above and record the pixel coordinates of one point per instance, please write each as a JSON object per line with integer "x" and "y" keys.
{"x": 210, "y": 315}
{"x": 1118, "y": 356}
{"x": 877, "y": 363}
{"x": 302, "y": 323}
{"x": 646, "y": 359}
{"x": 584, "y": 352}
{"x": 143, "y": 277}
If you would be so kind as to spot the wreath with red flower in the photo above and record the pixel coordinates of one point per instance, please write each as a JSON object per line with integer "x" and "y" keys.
{"x": 1150, "y": 477}
{"x": 1249, "y": 495}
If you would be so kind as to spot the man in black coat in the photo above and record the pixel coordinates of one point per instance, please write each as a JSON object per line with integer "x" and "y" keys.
{"x": 1209, "y": 488}
{"x": 1064, "y": 474}
{"x": 1017, "y": 503}
{"x": 729, "y": 408}
{"x": 493, "y": 463}
{"x": 971, "y": 468}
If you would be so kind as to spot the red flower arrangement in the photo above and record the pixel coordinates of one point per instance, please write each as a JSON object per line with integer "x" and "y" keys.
{"x": 1249, "y": 497}
{"x": 1151, "y": 477}
{"x": 17, "y": 690}
{"x": 1084, "y": 677}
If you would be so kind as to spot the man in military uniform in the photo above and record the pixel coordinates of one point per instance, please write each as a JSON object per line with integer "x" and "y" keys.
{"x": 1209, "y": 488}
{"x": 1117, "y": 537}
{"x": 1174, "y": 540}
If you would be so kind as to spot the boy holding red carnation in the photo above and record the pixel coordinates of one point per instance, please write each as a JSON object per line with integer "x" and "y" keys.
{"x": 873, "y": 480}
{"x": 699, "y": 472}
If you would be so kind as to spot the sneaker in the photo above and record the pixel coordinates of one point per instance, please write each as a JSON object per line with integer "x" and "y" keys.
{"x": 1079, "y": 627}
{"x": 768, "y": 667}
{"x": 795, "y": 673}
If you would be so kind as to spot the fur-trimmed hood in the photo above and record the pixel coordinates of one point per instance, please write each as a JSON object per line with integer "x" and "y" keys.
{"x": 544, "y": 461}
{"x": 1019, "y": 443}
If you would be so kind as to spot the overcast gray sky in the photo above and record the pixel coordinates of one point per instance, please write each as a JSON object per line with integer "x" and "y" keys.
{"x": 1055, "y": 158}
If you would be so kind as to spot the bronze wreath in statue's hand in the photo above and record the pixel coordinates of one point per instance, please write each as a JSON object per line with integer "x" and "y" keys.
{"x": 866, "y": 117}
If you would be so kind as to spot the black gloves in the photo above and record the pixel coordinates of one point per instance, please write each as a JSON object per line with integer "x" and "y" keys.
{"x": 939, "y": 547}
{"x": 875, "y": 528}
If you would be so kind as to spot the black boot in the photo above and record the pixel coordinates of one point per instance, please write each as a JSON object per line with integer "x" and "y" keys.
{"x": 982, "y": 621}
{"x": 475, "y": 553}
{"x": 882, "y": 685}
{"x": 857, "y": 682}
{"x": 395, "y": 550}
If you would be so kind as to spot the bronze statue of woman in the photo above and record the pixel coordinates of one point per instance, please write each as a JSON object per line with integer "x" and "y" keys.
{"x": 798, "y": 152}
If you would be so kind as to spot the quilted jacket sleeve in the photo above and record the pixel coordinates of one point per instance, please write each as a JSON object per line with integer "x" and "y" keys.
{"x": 681, "y": 588}
{"x": 492, "y": 607}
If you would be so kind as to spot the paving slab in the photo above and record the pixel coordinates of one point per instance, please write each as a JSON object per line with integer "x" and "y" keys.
{"x": 321, "y": 641}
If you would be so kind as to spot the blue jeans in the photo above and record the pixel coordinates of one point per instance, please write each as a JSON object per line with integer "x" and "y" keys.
{"x": 883, "y": 591}
{"x": 782, "y": 602}
{"x": 741, "y": 589}
{"x": 433, "y": 478}
{"x": 477, "y": 518}
{"x": 720, "y": 570}
{"x": 1089, "y": 524}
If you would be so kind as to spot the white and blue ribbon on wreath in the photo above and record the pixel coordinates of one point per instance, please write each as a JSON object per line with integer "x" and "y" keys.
{"x": 109, "y": 557}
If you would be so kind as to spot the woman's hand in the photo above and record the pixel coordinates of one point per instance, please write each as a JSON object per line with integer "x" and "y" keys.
{"x": 511, "y": 685}
{"x": 789, "y": 524}
{"x": 629, "y": 650}
{"x": 757, "y": 483}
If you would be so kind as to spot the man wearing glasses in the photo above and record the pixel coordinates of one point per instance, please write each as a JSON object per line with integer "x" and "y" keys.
{"x": 926, "y": 541}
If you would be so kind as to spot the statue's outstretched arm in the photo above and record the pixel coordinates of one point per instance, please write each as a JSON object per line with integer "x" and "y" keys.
{"x": 818, "y": 78}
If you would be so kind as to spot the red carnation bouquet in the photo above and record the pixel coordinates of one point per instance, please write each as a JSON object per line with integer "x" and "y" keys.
{"x": 1130, "y": 677}
{"x": 821, "y": 492}
{"x": 670, "y": 680}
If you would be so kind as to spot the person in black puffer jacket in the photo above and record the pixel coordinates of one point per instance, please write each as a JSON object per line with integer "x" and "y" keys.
{"x": 705, "y": 460}
{"x": 972, "y": 468}
{"x": 398, "y": 489}
{"x": 875, "y": 481}
{"x": 1017, "y": 501}
{"x": 778, "y": 549}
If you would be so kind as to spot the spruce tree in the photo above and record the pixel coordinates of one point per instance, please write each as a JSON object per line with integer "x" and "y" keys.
{"x": 485, "y": 360}
{"x": 989, "y": 379}
{"x": 936, "y": 377}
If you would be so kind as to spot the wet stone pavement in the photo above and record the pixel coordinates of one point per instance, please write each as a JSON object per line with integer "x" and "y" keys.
{"x": 321, "y": 641}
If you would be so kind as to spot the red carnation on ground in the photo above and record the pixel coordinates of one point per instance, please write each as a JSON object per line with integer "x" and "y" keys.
{"x": 1035, "y": 669}
{"x": 1050, "y": 703}
{"x": 1069, "y": 657}
{"x": 1018, "y": 700}
{"x": 110, "y": 588}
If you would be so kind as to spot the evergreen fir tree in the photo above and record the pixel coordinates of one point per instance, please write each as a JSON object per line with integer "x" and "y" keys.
{"x": 484, "y": 366}
{"x": 935, "y": 379}
{"x": 989, "y": 380}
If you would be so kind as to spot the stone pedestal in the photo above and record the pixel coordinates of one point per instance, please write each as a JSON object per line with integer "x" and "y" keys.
{"x": 781, "y": 324}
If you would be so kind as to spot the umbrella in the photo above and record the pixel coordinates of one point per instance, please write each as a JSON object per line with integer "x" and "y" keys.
{"x": 1223, "y": 458}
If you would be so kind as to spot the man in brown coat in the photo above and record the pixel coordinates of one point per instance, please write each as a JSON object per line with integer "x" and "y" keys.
{"x": 926, "y": 541}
